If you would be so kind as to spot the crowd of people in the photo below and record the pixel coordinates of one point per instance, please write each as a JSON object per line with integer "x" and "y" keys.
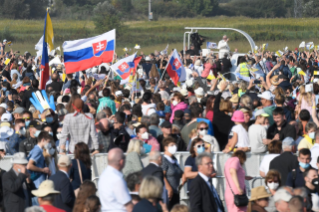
{"x": 270, "y": 108}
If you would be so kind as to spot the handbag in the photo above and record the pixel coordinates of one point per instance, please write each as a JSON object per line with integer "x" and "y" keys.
{"x": 76, "y": 191}
{"x": 239, "y": 200}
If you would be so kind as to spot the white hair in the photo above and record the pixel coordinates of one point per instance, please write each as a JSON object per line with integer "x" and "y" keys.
{"x": 34, "y": 209}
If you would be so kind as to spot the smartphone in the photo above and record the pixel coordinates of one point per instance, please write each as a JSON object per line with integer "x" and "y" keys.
{"x": 257, "y": 82}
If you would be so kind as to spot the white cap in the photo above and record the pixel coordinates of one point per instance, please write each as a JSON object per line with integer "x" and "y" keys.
{"x": 266, "y": 95}
{"x": 184, "y": 92}
{"x": 147, "y": 58}
{"x": 6, "y": 132}
{"x": 3, "y": 105}
{"x": 176, "y": 89}
{"x": 226, "y": 94}
{"x": 261, "y": 112}
{"x": 19, "y": 158}
{"x": 199, "y": 91}
{"x": 5, "y": 40}
{"x": 6, "y": 117}
{"x": 190, "y": 83}
{"x": 118, "y": 93}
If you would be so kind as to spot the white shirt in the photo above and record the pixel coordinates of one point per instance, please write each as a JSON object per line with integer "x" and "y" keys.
{"x": 148, "y": 109}
{"x": 113, "y": 191}
{"x": 264, "y": 165}
{"x": 314, "y": 155}
{"x": 242, "y": 136}
{"x": 256, "y": 135}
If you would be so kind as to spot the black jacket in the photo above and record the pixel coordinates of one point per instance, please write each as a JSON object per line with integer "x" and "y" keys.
{"x": 226, "y": 65}
{"x": 201, "y": 198}
{"x": 64, "y": 200}
{"x": 27, "y": 145}
{"x": 119, "y": 138}
{"x": 26, "y": 97}
{"x": 222, "y": 124}
{"x": 13, "y": 194}
{"x": 153, "y": 170}
{"x": 284, "y": 164}
{"x": 145, "y": 205}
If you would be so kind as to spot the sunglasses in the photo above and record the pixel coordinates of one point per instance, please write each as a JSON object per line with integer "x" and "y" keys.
{"x": 201, "y": 129}
{"x": 200, "y": 145}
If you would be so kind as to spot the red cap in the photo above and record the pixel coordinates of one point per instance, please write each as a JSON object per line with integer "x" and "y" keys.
{"x": 296, "y": 49}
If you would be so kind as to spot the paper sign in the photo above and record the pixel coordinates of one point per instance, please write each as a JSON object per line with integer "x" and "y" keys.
{"x": 211, "y": 45}
{"x": 309, "y": 88}
{"x": 316, "y": 73}
{"x": 7, "y": 61}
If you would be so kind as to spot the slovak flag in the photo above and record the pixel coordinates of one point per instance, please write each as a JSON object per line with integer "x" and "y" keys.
{"x": 86, "y": 53}
{"x": 175, "y": 68}
{"x": 126, "y": 67}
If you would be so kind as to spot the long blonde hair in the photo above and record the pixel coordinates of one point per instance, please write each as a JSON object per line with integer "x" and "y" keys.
{"x": 134, "y": 146}
{"x": 307, "y": 97}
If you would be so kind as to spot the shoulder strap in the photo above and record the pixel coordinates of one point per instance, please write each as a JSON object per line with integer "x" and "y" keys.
{"x": 80, "y": 171}
{"x": 232, "y": 189}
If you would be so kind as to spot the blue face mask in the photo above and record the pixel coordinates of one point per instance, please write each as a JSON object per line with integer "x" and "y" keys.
{"x": 304, "y": 165}
{"x": 27, "y": 123}
{"x": 49, "y": 119}
{"x": 51, "y": 133}
{"x": 200, "y": 149}
{"x": 4, "y": 89}
{"x": 36, "y": 134}
{"x": 147, "y": 147}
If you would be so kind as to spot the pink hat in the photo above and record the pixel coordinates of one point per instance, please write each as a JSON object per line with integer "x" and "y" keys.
{"x": 238, "y": 116}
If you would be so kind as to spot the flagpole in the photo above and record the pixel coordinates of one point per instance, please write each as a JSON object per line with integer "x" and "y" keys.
{"x": 163, "y": 73}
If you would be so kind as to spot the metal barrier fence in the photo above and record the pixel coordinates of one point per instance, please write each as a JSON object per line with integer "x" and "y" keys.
{"x": 99, "y": 163}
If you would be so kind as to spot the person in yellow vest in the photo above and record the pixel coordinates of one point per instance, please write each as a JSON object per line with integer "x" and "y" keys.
{"x": 242, "y": 68}
{"x": 309, "y": 139}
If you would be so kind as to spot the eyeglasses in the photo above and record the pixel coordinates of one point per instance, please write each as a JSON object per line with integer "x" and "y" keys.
{"x": 201, "y": 129}
{"x": 200, "y": 145}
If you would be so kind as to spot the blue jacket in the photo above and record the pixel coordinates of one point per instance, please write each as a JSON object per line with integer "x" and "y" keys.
{"x": 285, "y": 70}
{"x": 64, "y": 200}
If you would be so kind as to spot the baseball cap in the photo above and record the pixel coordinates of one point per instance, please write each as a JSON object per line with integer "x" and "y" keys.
{"x": 147, "y": 58}
{"x": 6, "y": 117}
{"x": 199, "y": 91}
{"x": 3, "y": 105}
{"x": 296, "y": 49}
{"x": 226, "y": 95}
{"x": 261, "y": 112}
{"x": 18, "y": 110}
{"x": 266, "y": 95}
{"x": 288, "y": 141}
{"x": 282, "y": 194}
{"x": 35, "y": 124}
{"x": 64, "y": 161}
{"x": 166, "y": 124}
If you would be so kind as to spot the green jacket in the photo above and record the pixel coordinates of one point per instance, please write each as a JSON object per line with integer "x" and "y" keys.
{"x": 269, "y": 110}
{"x": 106, "y": 102}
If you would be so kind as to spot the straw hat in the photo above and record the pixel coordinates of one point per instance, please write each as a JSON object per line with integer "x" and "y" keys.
{"x": 275, "y": 80}
{"x": 234, "y": 98}
{"x": 45, "y": 188}
{"x": 259, "y": 193}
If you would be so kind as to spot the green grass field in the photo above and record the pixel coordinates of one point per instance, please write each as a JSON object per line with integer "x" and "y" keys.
{"x": 157, "y": 34}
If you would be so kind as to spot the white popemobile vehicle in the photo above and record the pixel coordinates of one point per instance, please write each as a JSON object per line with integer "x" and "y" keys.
{"x": 235, "y": 58}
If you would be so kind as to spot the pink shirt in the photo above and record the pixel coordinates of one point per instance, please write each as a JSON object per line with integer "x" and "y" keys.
{"x": 154, "y": 143}
{"x": 207, "y": 68}
{"x": 234, "y": 163}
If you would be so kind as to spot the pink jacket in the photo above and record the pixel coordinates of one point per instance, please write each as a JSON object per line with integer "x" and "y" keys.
{"x": 180, "y": 106}
{"x": 154, "y": 143}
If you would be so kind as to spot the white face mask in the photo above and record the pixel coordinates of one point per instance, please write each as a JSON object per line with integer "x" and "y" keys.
{"x": 266, "y": 127}
{"x": 58, "y": 135}
{"x": 22, "y": 131}
{"x": 175, "y": 102}
{"x": 172, "y": 149}
{"x": 47, "y": 146}
{"x": 145, "y": 136}
{"x": 203, "y": 132}
{"x": 273, "y": 185}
